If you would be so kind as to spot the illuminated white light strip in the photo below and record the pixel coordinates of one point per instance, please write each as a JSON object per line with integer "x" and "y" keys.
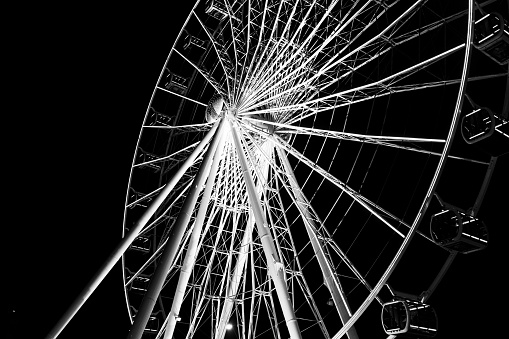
{"x": 503, "y": 123}
{"x": 439, "y": 213}
{"x": 474, "y": 111}
{"x": 423, "y": 328}
{"x": 474, "y": 237}
{"x": 366, "y": 203}
{"x": 478, "y": 134}
{"x": 481, "y": 19}
{"x": 505, "y": 134}
{"x": 489, "y": 36}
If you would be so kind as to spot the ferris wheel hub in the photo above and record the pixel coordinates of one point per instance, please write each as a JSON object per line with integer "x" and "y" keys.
{"x": 232, "y": 111}
{"x": 215, "y": 108}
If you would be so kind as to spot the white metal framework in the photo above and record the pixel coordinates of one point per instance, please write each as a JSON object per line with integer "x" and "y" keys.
{"x": 289, "y": 154}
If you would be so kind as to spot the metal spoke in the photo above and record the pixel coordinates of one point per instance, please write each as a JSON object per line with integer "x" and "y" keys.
{"x": 363, "y": 201}
{"x": 357, "y": 93}
{"x": 212, "y": 82}
{"x": 181, "y": 96}
{"x": 332, "y": 62}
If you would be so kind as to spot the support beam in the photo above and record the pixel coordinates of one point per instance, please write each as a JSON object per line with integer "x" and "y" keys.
{"x": 237, "y": 276}
{"x": 128, "y": 239}
{"x": 275, "y": 266}
{"x": 331, "y": 279}
{"x": 174, "y": 239}
{"x": 190, "y": 258}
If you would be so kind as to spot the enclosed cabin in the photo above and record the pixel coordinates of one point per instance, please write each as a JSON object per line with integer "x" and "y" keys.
{"x": 458, "y": 231}
{"x": 216, "y": 9}
{"x": 141, "y": 244}
{"x": 176, "y": 83}
{"x": 262, "y": 122}
{"x": 409, "y": 319}
{"x": 159, "y": 119}
{"x": 491, "y": 36}
{"x": 486, "y": 130}
{"x": 193, "y": 42}
{"x": 140, "y": 283}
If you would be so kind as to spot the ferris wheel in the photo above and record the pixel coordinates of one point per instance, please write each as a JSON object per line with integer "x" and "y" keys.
{"x": 287, "y": 183}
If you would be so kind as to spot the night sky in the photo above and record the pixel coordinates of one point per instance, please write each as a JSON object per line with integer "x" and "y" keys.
{"x": 87, "y": 80}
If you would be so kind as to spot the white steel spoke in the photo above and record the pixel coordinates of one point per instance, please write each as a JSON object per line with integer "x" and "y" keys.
{"x": 246, "y": 72}
{"x": 221, "y": 54}
{"x": 371, "y": 139}
{"x": 348, "y": 136}
{"x": 264, "y": 45}
{"x": 309, "y": 215}
{"x": 359, "y": 93}
{"x": 212, "y": 82}
{"x": 242, "y": 74}
{"x": 272, "y": 42}
{"x": 363, "y": 201}
{"x": 181, "y": 96}
{"x": 184, "y": 128}
{"x": 332, "y": 62}
{"x": 235, "y": 43}
{"x": 394, "y": 42}
{"x": 293, "y": 114}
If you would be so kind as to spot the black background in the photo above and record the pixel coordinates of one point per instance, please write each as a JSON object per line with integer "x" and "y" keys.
{"x": 79, "y": 87}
